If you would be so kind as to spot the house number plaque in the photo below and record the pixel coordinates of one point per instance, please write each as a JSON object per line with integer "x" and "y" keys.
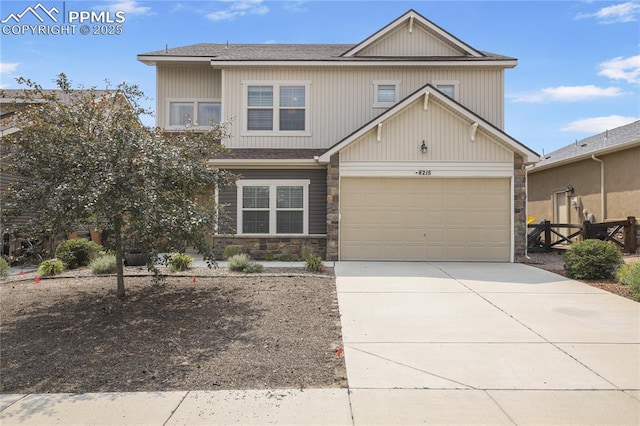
{"x": 423, "y": 172}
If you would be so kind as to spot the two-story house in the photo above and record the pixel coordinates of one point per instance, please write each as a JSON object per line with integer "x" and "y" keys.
{"x": 389, "y": 149}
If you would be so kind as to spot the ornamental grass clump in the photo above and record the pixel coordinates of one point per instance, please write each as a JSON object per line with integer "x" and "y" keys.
{"x": 242, "y": 263}
{"x": 4, "y": 267}
{"x": 105, "y": 264}
{"x": 592, "y": 260}
{"x": 179, "y": 262}
{"x": 629, "y": 275}
{"x": 232, "y": 250}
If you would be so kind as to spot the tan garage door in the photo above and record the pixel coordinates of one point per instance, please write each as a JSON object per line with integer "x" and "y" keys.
{"x": 425, "y": 219}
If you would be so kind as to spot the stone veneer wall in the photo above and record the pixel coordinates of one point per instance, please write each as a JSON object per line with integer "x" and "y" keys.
{"x": 519, "y": 206}
{"x": 272, "y": 248}
{"x": 333, "y": 206}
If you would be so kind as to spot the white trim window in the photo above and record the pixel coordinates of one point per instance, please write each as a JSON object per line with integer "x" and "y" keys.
{"x": 385, "y": 93}
{"x": 280, "y": 108}
{"x": 273, "y": 207}
{"x": 448, "y": 87}
{"x": 193, "y": 112}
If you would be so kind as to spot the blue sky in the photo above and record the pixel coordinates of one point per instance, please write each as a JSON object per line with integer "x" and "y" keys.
{"x": 578, "y": 70}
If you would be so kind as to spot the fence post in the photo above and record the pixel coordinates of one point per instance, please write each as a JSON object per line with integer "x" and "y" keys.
{"x": 630, "y": 235}
{"x": 547, "y": 235}
{"x": 586, "y": 230}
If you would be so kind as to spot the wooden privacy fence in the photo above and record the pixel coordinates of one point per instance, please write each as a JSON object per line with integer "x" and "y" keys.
{"x": 543, "y": 236}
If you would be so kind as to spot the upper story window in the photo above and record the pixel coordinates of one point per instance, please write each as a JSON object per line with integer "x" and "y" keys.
{"x": 190, "y": 113}
{"x": 448, "y": 87}
{"x": 385, "y": 93}
{"x": 277, "y": 108}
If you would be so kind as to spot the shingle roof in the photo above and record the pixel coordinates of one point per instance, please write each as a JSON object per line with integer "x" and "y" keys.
{"x": 604, "y": 141}
{"x": 288, "y": 52}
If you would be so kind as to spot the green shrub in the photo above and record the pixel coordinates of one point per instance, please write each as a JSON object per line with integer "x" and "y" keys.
{"x": 232, "y": 250}
{"x": 50, "y": 267}
{"x": 630, "y": 275}
{"x": 314, "y": 263}
{"x": 242, "y": 263}
{"x": 4, "y": 267}
{"x": 253, "y": 267}
{"x": 105, "y": 264}
{"x": 179, "y": 262}
{"x": 592, "y": 259}
{"x": 77, "y": 252}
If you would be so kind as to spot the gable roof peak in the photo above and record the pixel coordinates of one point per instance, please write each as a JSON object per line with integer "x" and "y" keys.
{"x": 412, "y": 16}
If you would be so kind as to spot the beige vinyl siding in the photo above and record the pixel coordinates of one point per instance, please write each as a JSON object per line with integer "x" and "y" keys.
{"x": 184, "y": 82}
{"x": 419, "y": 42}
{"x": 342, "y": 99}
{"x": 446, "y": 135}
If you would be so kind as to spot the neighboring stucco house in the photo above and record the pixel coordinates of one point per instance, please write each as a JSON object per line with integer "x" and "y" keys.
{"x": 595, "y": 178}
{"x": 389, "y": 149}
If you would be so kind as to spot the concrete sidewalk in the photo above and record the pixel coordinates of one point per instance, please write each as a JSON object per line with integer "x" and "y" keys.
{"x": 431, "y": 343}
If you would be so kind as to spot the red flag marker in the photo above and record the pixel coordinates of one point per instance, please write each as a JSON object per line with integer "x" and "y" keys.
{"x": 37, "y": 280}
{"x": 339, "y": 353}
{"x": 194, "y": 280}
{"x": 21, "y": 272}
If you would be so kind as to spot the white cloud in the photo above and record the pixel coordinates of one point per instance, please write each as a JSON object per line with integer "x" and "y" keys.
{"x": 131, "y": 7}
{"x": 627, "y": 69}
{"x": 568, "y": 94}
{"x": 8, "y": 67}
{"x": 597, "y": 125}
{"x": 623, "y": 12}
{"x": 238, "y": 8}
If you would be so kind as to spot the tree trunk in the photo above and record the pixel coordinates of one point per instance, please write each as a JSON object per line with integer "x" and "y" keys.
{"x": 119, "y": 262}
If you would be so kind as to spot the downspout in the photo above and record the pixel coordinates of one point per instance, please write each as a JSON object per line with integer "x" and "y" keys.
{"x": 603, "y": 203}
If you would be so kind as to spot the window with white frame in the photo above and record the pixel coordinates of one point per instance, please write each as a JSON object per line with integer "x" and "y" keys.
{"x": 273, "y": 207}
{"x": 199, "y": 113}
{"x": 385, "y": 93}
{"x": 448, "y": 87}
{"x": 277, "y": 107}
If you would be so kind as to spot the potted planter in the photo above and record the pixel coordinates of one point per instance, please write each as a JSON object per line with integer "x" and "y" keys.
{"x": 136, "y": 257}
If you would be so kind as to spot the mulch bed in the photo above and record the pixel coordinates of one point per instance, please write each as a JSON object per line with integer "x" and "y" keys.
{"x": 72, "y": 334}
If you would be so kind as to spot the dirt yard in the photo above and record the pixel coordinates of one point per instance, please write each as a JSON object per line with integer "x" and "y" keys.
{"x": 220, "y": 332}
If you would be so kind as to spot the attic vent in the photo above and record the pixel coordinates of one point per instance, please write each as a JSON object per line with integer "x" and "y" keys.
{"x": 583, "y": 145}
{"x": 547, "y": 157}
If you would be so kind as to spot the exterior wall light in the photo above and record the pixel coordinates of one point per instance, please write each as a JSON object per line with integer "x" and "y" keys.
{"x": 423, "y": 148}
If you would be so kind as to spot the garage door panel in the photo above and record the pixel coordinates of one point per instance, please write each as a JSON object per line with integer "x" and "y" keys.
{"x": 425, "y": 219}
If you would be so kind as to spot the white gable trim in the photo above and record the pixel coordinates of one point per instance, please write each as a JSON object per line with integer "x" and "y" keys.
{"x": 431, "y": 92}
{"x": 413, "y": 16}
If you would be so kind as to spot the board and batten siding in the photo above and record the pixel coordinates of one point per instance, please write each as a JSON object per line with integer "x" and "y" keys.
{"x": 317, "y": 195}
{"x": 446, "y": 135}
{"x": 341, "y": 99}
{"x": 419, "y": 42}
{"x": 184, "y": 82}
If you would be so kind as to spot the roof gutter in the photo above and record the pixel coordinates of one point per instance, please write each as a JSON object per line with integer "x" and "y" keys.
{"x": 603, "y": 203}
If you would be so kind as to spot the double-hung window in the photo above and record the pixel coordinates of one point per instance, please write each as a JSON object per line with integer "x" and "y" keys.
{"x": 385, "y": 93}
{"x": 277, "y": 108}
{"x": 190, "y": 113}
{"x": 273, "y": 207}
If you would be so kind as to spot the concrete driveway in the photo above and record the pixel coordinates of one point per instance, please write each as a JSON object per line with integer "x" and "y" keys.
{"x": 486, "y": 343}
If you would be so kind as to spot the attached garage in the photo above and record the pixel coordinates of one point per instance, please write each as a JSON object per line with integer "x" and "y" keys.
{"x": 425, "y": 219}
